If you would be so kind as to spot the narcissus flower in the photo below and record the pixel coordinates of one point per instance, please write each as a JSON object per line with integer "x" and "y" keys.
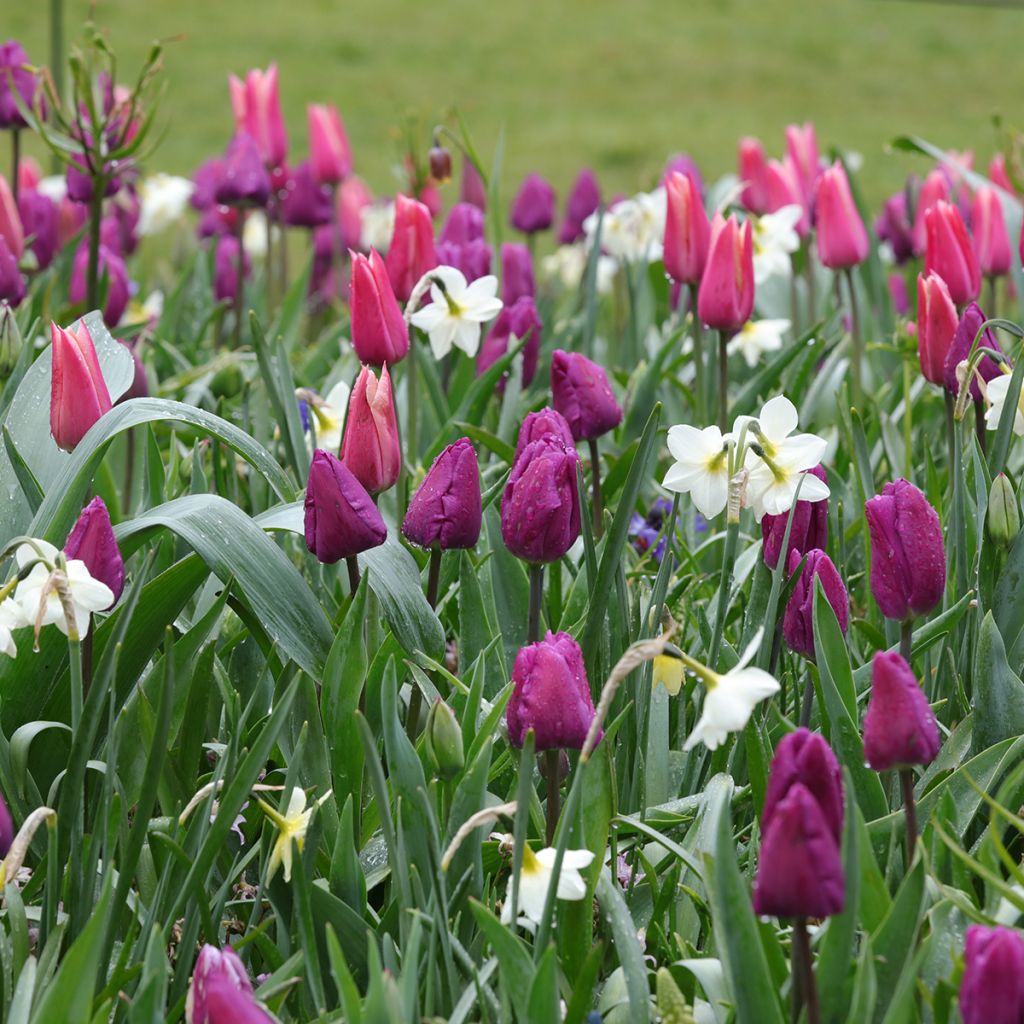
{"x": 756, "y": 337}
{"x": 457, "y": 311}
{"x": 12, "y": 617}
{"x": 535, "y": 880}
{"x": 998, "y": 392}
{"x": 291, "y": 828}
{"x": 701, "y": 468}
{"x": 329, "y": 415}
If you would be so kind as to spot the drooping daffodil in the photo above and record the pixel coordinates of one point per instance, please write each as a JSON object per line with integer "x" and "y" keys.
{"x": 328, "y": 415}
{"x": 291, "y": 827}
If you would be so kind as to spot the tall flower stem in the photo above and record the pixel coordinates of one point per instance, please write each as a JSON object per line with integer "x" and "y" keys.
{"x": 723, "y": 381}
{"x": 980, "y": 427}
{"x": 240, "y": 290}
{"x": 352, "y": 564}
{"x": 92, "y": 279}
{"x": 15, "y": 161}
{"x": 805, "y": 990}
{"x": 412, "y": 718}
{"x": 908, "y": 448}
{"x": 732, "y": 532}
{"x": 909, "y": 811}
{"x": 536, "y": 596}
{"x": 906, "y": 639}
{"x": 77, "y": 684}
{"x": 595, "y": 473}
{"x": 856, "y": 342}
{"x": 551, "y": 759}
{"x": 698, "y": 354}
{"x": 411, "y": 406}
{"x": 268, "y": 263}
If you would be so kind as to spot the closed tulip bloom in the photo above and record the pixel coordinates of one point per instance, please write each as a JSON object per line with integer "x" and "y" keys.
{"x": 379, "y": 332}
{"x": 472, "y": 188}
{"x": 11, "y": 229}
{"x": 256, "y": 104}
{"x": 464, "y": 224}
{"x": 802, "y": 150}
{"x": 805, "y": 757}
{"x": 204, "y": 184}
{"x": 243, "y": 178}
{"x": 990, "y": 236}
{"x": 341, "y": 519}
{"x": 473, "y": 259}
{"x": 892, "y": 226}
{"x": 908, "y": 560}
{"x": 520, "y": 320}
{"x": 78, "y": 392}
{"x": 329, "y": 151}
{"x": 581, "y": 393}
{"x": 225, "y": 269}
{"x": 39, "y": 219}
{"x": 992, "y": 989}
{"x": 899, "y": 727}
{"x": 370, "y": 447}
{"x": 445, "y": 512}
{"x": 799, "y": 870}
{"x": 6, "y": 828}
{"x": 92, "y": 541}
{"x": 809, "y": 529}
{"x": 533, "y": 209}
{"x": 726, "y": 297}
{"x": 949, "y": 252}
{"x": 540, "y": 509}
{"x": 798, "y": 621}
{"x": 353, "y": 196}
{"x": 411, "y": 253}
{"x": 687, "y": 230}
{"x": 12, "y": 283}
{"x": 937, "y": 322}
{"x": 584, "y": 199}
{"x": 842, "y": 237}
{"x": 540, "y": 424}
{"x": 15, "y": 78}
{"x": 752, "y": 166}
{"x": 112, "y": 269}
{"x": 550, "y": 695}
{"x": 998, "y": 174}
{"x": 936, "y": 188}
{"x": 783, "y": 189}
{"x": 516, "y": 272}
{"x": 221, "y": 992}
{"x": 963, "y": 338}
{"x": 306, "y": 203}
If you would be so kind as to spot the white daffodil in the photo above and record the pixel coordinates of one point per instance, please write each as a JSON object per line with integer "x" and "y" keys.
{"x": 702, "y": 467}
{"x": 756, "y": 337}
{"x": 163, "y": 199}
{"x": 457, "y": 310}
{"x": 329, "y": 414}
{"x": 377, "y": 225}
{"x": 535, "y": 879}
{"x": 11, "y": 617}
{"x": 254, "y": 235}
{"x": 996, "y": 392}
{"x": 774, "y": 237}
{"x": 730, "y": 698}
{"x": 568, "y": 263}
{"x": 292, "y": 826}
{"x": 633, "y": 230}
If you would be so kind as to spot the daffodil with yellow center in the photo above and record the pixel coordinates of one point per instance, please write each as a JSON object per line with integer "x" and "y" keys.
{"x": 291, "y": 827}
{"x": 535, "y": 878}
{"x": 669, "y": 672}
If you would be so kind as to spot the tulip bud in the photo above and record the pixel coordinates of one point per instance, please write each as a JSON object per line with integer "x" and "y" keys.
{"x": 990, "y": 237}
{"x": 842, "y": 237}
{"x": 934, "y": 190}
{"x": 15, "y": 78}
{"x": 520, "y": 320}
{"x": 802, "y": 150}
{"x": 306, "y": 203}
{"x": 370, "y": 447}
{"x": 899, "y": 727}
{"x": 112, "y": 269}
{"x": 752, "y": 166}
{"x": 799, "y": 871}
{"x": 341, "y": 518}
{"x": 893, "y": 227}
{"x": 992, "y": 989}
{"x": 581, "y": 393}
{"x": 411, "y": 253}
{"x": 329, "y": 151}
{"x": 92, "y": 541}
{"x": 446, "y": 510}
{"x": 204, "y": 184}
{"x": 950, "y": 253}
{"x": 243, "y": 178}
{"x": 798, "y": 622}
{"x": 533, "y": 209}
{"x": 805, "y": 757}
{"x": 999, "y": 175}
{"x": 809, "y": 529}
{"x": 540, "y": 424}
{"x": 379, "y": 332}
{"x": 540, "y": 509}
{"x": 937, "y": 322}
{"x": 473, "y": 259}
{"x": 550, "y": 695}
{"x": 39, "y": 219}
{"x": 584, "y": 199}
{"x": 440, "y": 164}
{"x": 516, "y": 272}
{"x": 6, "y": 828}
{"x": 443, "y": 739}
{"x": 225, "y": 268}
{"x": 966, "y": 331}
{"x": 908, "y": 560}
{"x": 687, "y": 230}
{"x": 11, "y": 229}
{"x": 10, "y": 341}
{"x": 256, "y": 104}
{"x": 472, "y": 188}
{"x": 782, "y": 184}
{"x": 221, "y": 992}
{"x": 726, "y": 297}
{"x": 1003, "y": 512}
{"x": 464, "y": 224}
{"x": 12, "y": 284}
{"x": 78, "y": 392}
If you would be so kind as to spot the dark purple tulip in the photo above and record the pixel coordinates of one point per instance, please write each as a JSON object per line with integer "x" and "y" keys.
{"x": 908, "y": 560}
{"x": 341, "y": 518}
{"x": 39, "y": 219}
{"x": 581, "y": 393}
{"x": 243, "y": 180}
{"x": 798, "y": 622}
{"x": 805, "y": 757}
{"x": 225, "y": 270}
{"x": 465, "y": 223}
{"x": 899, "y": 727}
{"x": 584, "y": 199}
{"x": 113, "y": 269}
{"x": 799, "y": 871}
{"x": 892, "y": 226}
{"x": 516, "y": 272}
{"x": 306, "y": 203}
{"x": 445, "y": 511}
{"x": 682, "y": 163}
{"x": 551, "y": 695}
{"x": 92, "y": 541}
{"x": 218, "y": 220}
{"x": 471, "y": 189}
{"x": 540, "y": 424}
{"x": 809, "y": 530}
{"x": 205, "y": 181}
{"x": 12, "y": 284}
{"x": 534, "y": 206}
{"x": 6, "y": 828}
{"x": 540, "y": 509}
{"x": 992, "y": 989}
{"x": 12, "y": 73}
{"x": 521, "y": 321}
{"x": 221, "y": 992}
{"x": 473, "y": 258}
{"x": 966, "y": 330}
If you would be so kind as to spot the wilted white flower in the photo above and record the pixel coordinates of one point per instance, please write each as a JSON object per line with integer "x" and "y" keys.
{"x": 163, "y": 199}
{"x": 457, "y": 310}
{"x": 11, "y": 617}
{"x": 535, "y": 879}
{"x": 292, "y": 826}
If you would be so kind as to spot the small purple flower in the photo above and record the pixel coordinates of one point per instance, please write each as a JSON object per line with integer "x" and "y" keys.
{"x": 646, "y": 530}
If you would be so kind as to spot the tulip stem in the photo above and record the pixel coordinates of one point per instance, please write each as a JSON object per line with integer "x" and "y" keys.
{"x": 991, "y": 307}
{"x": 269, "y": 264}
{"x": 856, "y": 342}
{"x": 551, "y": 766}
{"x": 411, "y": 410}
{"x": 412, "y": 718}
{"x": 908, "y": 445}
{"x": 732, "y": 532}
{"x": 92, "y": 280}
{"x": 723, "y": 381}
{"x": 595, "y": 473}
{"x": 352, "y": 564}
{"x": 698, "y": 354}
{"x": 15, "y": 161}
{"x": 906, "y": 639}
{"x": 536, "y": 596}
{"x": 806, "y": 703}
{"x": 240, "y": 289}
{"x": 909, "y": 812}
{"x": 804, "y": 988}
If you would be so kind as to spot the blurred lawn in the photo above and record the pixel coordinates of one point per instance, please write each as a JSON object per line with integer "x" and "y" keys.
{"x": 615, "y": 84}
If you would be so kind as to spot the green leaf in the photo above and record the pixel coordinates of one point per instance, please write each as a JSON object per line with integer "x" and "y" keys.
{"x": 894, "y": 941}
{"x": 998, "y": 691}
{"x": 516, "y": 965}
{"x": 627, "y": 945}
{"x": 542, "y": 1006}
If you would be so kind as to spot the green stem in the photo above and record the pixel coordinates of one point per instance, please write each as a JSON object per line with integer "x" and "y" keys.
{"x": 595, "y": 473}
{"x": 551, "y": 758}
{"x": 857, "y": 344}
{"x": 77, "y": 683}
{"x": 412, "y": 719}
{"x": 352, "y": 564}
{"x": 723, "y": 381}
{"x": 909, "y": 812}
{"x": 732, "y": 532}
{"x": 908, "y": 461}
{"x": 536, "y": 596}
{"x": 981, "y": 427}
{"x": 57, "y": 51}
{"x": 15, "y": 161}
{"x": 411, "y": 407}
{"x": 698, "y": 354}
{"x": 92, "y": 280}
{"x": 906, "y": 639}
{"x": 240, "y": 289}
{"x": 803, "y": 967}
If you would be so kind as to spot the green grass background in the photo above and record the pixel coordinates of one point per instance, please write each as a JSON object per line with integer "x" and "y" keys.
{"x": 618, "y": 85}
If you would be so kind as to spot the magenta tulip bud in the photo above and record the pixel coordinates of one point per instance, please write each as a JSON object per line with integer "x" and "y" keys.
{"x": 221, "y": 992}
{"x": 550, "y": 695}
{"x": 752, "y": 165}
{"x": 540, "y": 424}
{"x": 892, "y": 226}
{"x": 15, "y": 78}
{"x": 533, "y": 208}
{"x": 379, "y": 332}
{"x": 783, "y": 187}
{"x": 446, "y": 510}
{"x": 726, "y": 297}
{"x": 306, "y": 203}
{"x": 899, "y": 727}
{"x": 949, "y": 252}
{"x": 937, "y": 322}
{"x": 516, "y": 272}
{"x": 472, "y": 188}
{"x": 464, "y": 224}
{"x": 329, "y": 151}
{"x": 39, "y": 219}
{"x": 113, "y": 269}
{"x": 520, "y": 320}
{"x": 6, "y": 828}
{"x": 352, "y": 197}
{"x": 92, "y": 541}
{"x": 243, "y": 178}
{"x": 540, "y": 509}
{"x": 805, "y": 757}
{"x": 12, "y": 284}
{"x": 799, "y": 871}
{"x": 256, "y": 104}
{"x": 204, "y": 182}
{"x": 802, "y": 150}
{"x": 78, "y": 392}
{"x": 908, "y": 560}
{"x": 809, "y": 529}
{"x": 225, "y": 269}
{"x": 581, "y": 393}
{"x": 341, "y": 518}
{"x": 11, "y": 228}
{"x": 990, "y": 236}
{"x": 584, "y": 199}
{"x": 999, "y": 175}
{"x": 963, "y": 338}
{"x": 936, "y": 188}
{"x": 473, "y": 258}
{"x": 411, "y": 253}
{"x": 687, "y": 230}
{"x": 992, "y": 989}
{"x": 798, "y": 621}
{"x": 370, "y": 447}
{"x": 842, "y": 237}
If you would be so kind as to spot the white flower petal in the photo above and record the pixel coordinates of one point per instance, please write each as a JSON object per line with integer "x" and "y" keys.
{"x": 778, "y": 418}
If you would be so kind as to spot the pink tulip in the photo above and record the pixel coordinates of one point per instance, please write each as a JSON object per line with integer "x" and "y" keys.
{"x": 991, "y": 241}
{"x": 999, "y": 175}
{"x": 351, "y": 198}
{"x": 411, "y": 253}
{"x": 949, "y": 252}
{"x": 329, "y": 151}
{"x": 687, "y": 230}
{"x": 936, "y": 325}
{"x": 10, "y": 221}
{"x": 78, "y": 392}
{"x": 802, "y": 149}
{"x": 752, "y": 167}
{"x": 783, "y": 188}
{"x": 380, "y": 334}
{"x": 257, "y": 108}
{"x": 842, "y": 237}
{"x": 370, "y": 447}
{"x": 726, "y": 296}
{"x": 935, "y": 187}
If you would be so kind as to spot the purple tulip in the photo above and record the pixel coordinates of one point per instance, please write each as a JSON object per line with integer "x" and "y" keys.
{"x": 39, "y": 219}
{"x": 908, "y": 560}
{"x": 899, "y": 727}
{"x": 111, "y": 267}
{"x": 471, "y": 188}
{"x": 799, "y": 872}
{"x": 464, "y": 224}
{"x": 12, "y": 284}
{"x": 225, "y": 270}
{"x": 992, "y": 989}
{"x": 341, "y": 518}
{"x": 809, "y": 529}
{"x": 205, "y": 180}
{"x": 540, "y": 509}
{"x": 550, "y": 695}
{"x": 805, "y": 757}
{"x": 306, "y": 203}
{"x": 583, "y": 396}
{"x": 520, "y": 320}
{"x": 6, "y": 828}
{"x": 445, "y": 511}
{"x": 645, "y": 530}
{"x": 798, "y": 622}
{"x": 221, "y": 992}
{"x": 473, "y": 258}
{"x": 92, "y": 541}
{"x": 13, "y": 74}
{"x": 584, "y": 199}
{"x": 892, "y": 226}
{"x": 126, "y": 211}
{"x": 966, "y": 331}
{"x": 534, "y": 206}
{"x": 516, "y": 272}
{"x": 540, "y": 424}
{"x": 243, "y": 178}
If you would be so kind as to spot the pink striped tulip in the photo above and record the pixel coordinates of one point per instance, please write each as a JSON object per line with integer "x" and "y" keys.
{"x": 256, "y": 104}
{"x": 78, "y": 392}
{"x": 726, "y": 296}
{"x": 842, "y": 237}
{"x": 329, "y": 151}
{"x": 687, "y": 230}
